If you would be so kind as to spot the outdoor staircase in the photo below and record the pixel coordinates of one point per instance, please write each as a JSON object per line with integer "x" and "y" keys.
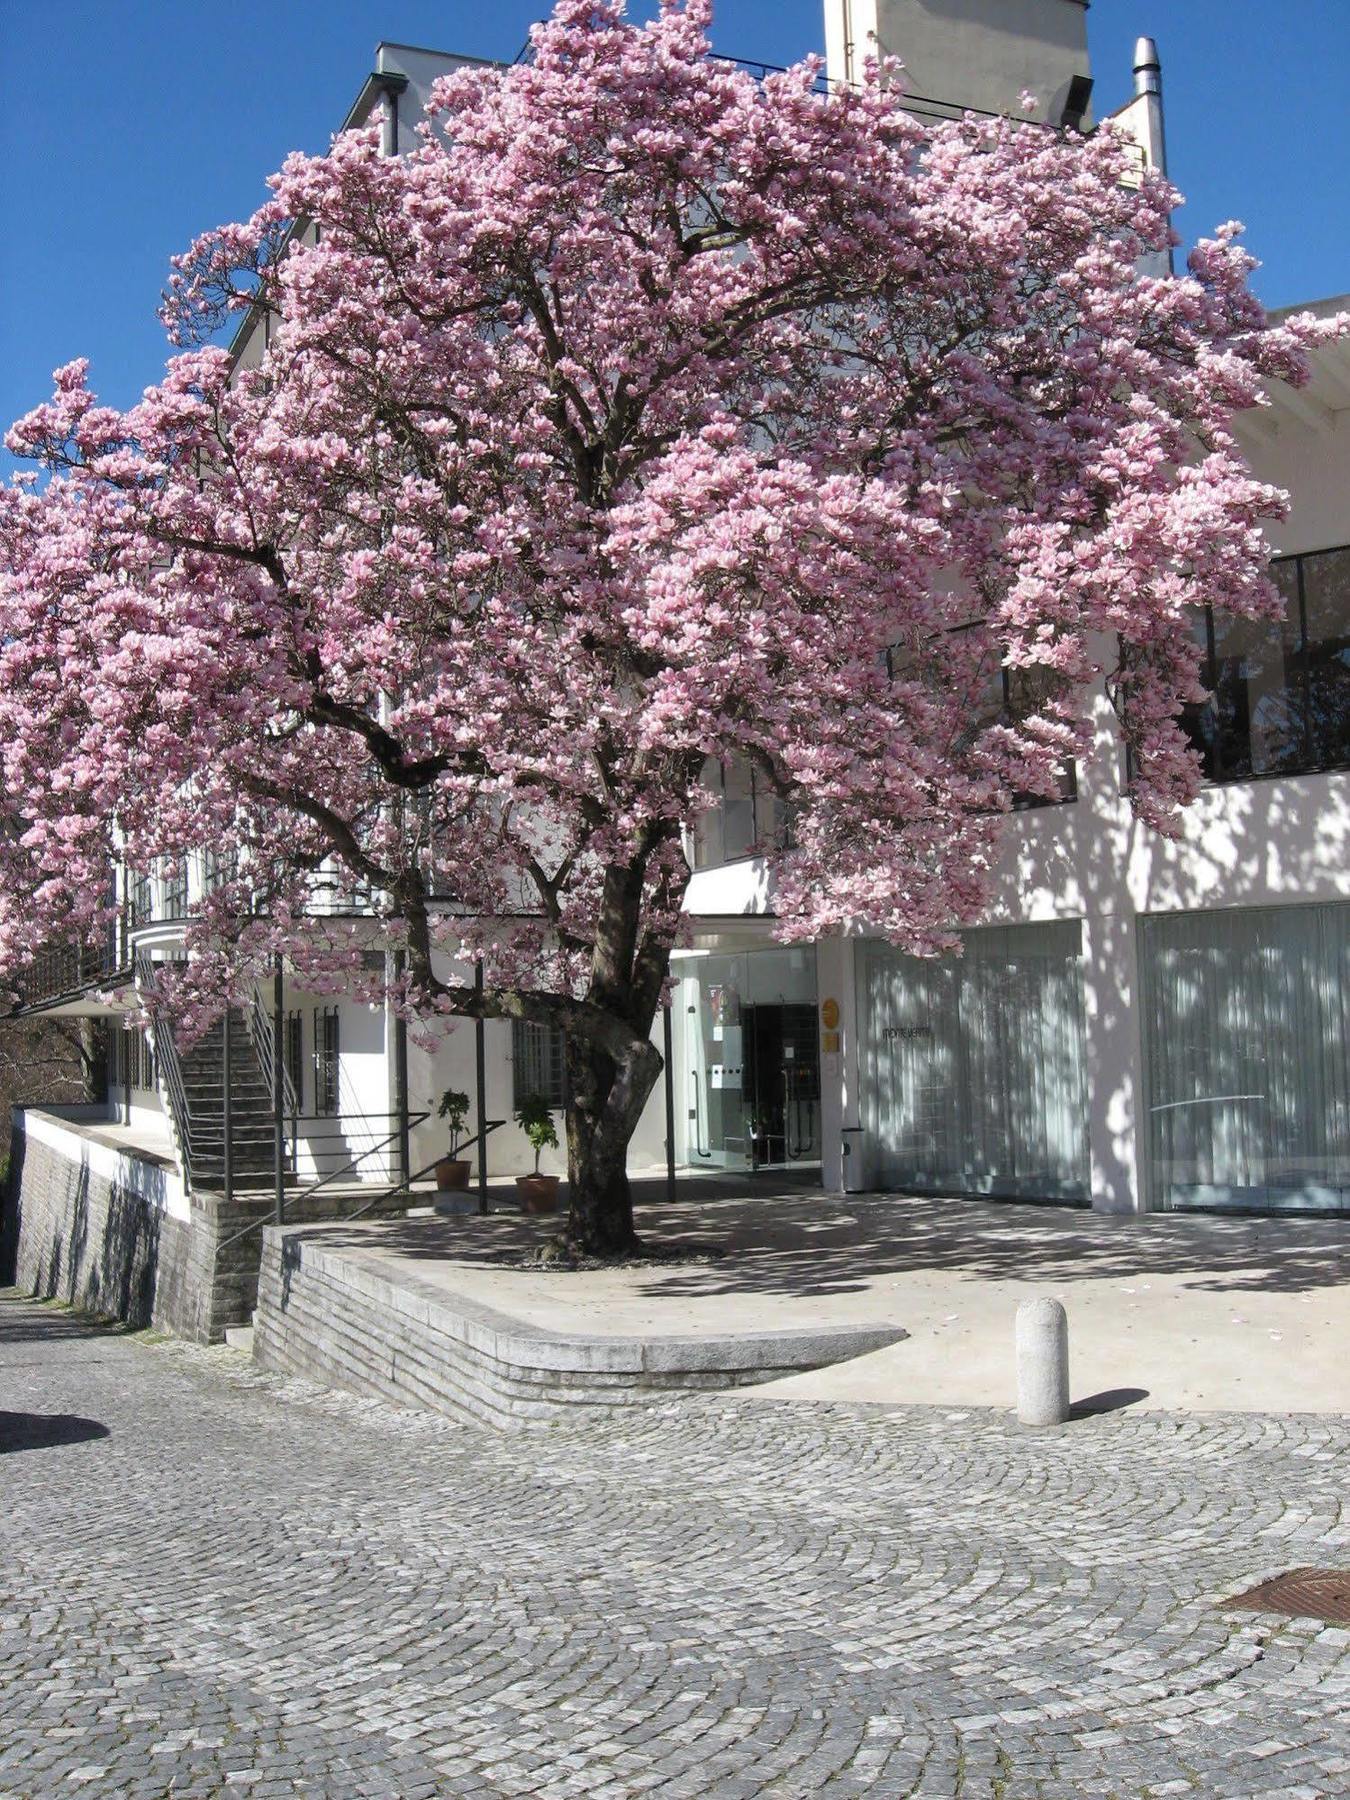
{"x": 251, "y": 1126}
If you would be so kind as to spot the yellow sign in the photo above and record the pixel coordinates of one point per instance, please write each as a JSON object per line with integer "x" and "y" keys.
{"x": 829, "y": 1014}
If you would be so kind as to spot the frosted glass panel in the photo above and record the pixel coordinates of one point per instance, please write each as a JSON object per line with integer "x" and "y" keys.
{"x": 973, "y": 1069}
{"x": 1247, "y": 1036}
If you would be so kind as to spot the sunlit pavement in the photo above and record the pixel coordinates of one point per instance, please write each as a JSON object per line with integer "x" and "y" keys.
{"x": 218, "y": 1582}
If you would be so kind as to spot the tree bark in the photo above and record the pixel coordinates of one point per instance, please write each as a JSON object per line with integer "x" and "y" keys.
{"x": 605, "y": 1102}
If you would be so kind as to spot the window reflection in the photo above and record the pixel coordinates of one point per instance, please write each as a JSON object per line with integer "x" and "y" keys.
{"x": 1280, "y": 688}
{"x": 748, "y": 818}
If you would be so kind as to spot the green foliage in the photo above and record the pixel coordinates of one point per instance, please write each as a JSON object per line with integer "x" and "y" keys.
{"x": 536, "y": 1121}
{"x": 454, "y": 1109}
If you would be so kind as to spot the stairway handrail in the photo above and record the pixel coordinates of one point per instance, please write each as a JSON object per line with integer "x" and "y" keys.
{"x": 260, "y": 1030}
{"x": 171, "y": 1068}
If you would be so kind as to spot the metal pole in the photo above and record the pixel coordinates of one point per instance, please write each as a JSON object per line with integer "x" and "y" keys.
{"x": 669, "y": 1036}
{"x": 227, "y": 1095}
{"x": 480, "y": 1075}
{"x": 278, "y": 1093}
{"x": 401, "y": 1080}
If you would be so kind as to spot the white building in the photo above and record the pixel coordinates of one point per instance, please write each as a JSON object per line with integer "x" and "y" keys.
{"x": 1136, "y": 1025}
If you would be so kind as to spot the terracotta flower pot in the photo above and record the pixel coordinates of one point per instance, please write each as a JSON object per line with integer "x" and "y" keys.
{"x": 538, "y": 1193}
{"x": 452, "y": 1175}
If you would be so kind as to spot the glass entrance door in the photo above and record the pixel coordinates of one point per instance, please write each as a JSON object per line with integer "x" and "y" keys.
{"x": 752, "y": 1063}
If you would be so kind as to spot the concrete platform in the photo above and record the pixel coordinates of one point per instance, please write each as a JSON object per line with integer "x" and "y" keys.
{"x": 389, "y": 1309}
{"x": 1178, "y": 1312}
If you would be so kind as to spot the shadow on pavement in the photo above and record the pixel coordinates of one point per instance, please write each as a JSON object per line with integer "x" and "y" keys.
{"x": 44, "y": 1431}
{"x": 24, "y": 1322}
{"x": 793, "y": 1240}
{"x": 1109, "y": 1400}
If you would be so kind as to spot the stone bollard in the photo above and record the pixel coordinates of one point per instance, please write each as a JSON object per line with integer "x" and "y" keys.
{"x": 1042, "y": 1363}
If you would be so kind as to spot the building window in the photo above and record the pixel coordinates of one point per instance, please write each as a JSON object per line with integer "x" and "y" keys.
{"x": 1279, "y": 688}
{"x": 175, "y": 890}
{"x": 1010, "y": 696}
{"x": 140, "y": 1060}
{"x": 749, "y": 818}
{"x": 1020, "y": 693}
{"x": 326, "y": 1061}
{"x": 219, "y": 868}
{"x": 293, "y": 1053}
{"x": 538, "y": 1063}
{"x": 140, "y": 899}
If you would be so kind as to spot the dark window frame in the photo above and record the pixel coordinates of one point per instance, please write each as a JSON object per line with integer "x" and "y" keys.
{"x": 538, "y": 1063}
{"x": 219, "y": 869}
{"x": 293, "y": 1053}
{"x": 140, "y": 899}
{"x": 1202, "y": 723}
{"x": 1021, "y": 801}
{"x": 326, "y": 1053}
{"x": 174, "y": 887}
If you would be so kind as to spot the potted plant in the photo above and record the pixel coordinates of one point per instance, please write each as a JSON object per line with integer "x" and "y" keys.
{"x": 538, "y": 1193}
{"x": 452, "y": 1171}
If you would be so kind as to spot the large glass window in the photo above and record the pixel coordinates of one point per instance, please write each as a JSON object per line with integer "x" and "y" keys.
{"x": 1007, "y": 697}
{"x": 140, "y": 899}
{"x": 1247, "y": 1039}
{"x": 748, "y": 820}
{"x": 973, "y": 1074}
{"x": 175, "y": 890}
{"x": 751, "y": 1059}
{"x": 1280, "y": 688}
{"x": 1015, "y": 694}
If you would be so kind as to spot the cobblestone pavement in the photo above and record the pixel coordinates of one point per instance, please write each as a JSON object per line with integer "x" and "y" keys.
{"x": 226, "y": 1583}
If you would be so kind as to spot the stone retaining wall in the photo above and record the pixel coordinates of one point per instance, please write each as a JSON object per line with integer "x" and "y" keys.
{"x": 117, "y": 1234}
{"x": 108, "y": 1232}
{"x": 345, "y": 1321}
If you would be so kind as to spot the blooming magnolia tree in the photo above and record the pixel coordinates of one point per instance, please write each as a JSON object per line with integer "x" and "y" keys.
{"x": 647, "y": 413}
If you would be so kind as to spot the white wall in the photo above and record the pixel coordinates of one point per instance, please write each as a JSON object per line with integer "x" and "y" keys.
{"x": 977, "y": 53}
{"x": 452, "y": 1065}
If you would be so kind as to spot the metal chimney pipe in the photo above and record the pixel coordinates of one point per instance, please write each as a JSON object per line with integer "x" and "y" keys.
{"x": 1147, "y": 67}
{"x": 1148, "y": 88}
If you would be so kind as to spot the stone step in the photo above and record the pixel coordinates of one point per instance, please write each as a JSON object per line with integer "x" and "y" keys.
{"x": 240, "y": 1337}
{"x": 205, "y": 1105}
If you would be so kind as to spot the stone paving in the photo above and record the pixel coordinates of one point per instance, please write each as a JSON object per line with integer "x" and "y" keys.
{"x": 217, "y": 1582}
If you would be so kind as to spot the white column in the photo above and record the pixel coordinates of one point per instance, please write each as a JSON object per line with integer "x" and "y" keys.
{"x": 838, "y": 1066}
{"x": 1117, "y": 1120}
{"x": 850, "y": 38}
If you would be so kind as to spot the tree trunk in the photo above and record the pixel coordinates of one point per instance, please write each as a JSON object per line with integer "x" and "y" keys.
{"x": 605, "y": 1102}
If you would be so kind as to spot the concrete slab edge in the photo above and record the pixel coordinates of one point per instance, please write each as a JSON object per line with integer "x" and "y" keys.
{"x": 518, "y": 1343}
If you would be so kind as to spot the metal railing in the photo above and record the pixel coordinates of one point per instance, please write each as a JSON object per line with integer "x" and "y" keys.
{"x": 421, "y": 1175}
{"x": 60, "y": 971}
{"x": 260, "y": 1030}
{"x": 377, "y": 1199}
{"x": 342, "y": 1123}
{"x": 170, "y": 1069}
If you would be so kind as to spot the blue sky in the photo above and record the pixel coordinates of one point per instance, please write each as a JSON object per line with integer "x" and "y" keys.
{"x": 130, "y": 126}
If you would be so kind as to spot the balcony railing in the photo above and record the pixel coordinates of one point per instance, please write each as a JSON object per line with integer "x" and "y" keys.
{"x": 63, "y": 971}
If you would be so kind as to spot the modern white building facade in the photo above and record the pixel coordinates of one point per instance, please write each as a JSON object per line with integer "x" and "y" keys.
{"x": 1136, "y": 1024}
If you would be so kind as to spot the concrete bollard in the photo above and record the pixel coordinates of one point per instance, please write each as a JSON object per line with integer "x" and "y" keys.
{"x": 1042, "y": 1363}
